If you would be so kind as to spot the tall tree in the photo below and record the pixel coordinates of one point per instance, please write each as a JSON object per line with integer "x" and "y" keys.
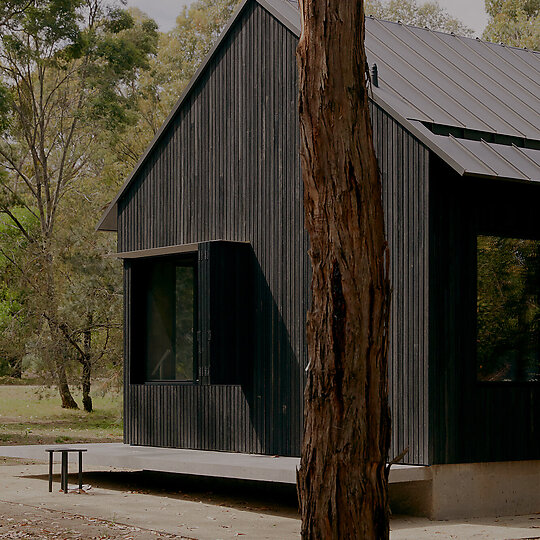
{"x": 427, "y": 14}
{"x": 12, "y": 8}
{"x": 16, "y": 321}
{"x": 179, "y": 54}
{"x": 514, "y": 22}
{"x": 342, "y": 480}
{"x": 68, "y": 67}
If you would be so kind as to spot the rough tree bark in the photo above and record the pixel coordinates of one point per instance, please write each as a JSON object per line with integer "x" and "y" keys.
{"x": 50, "y": 313}
{"x": 86, "y": 361}
{"x": 342, "y": 482}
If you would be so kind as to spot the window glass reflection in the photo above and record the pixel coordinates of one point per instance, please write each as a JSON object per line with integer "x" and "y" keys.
{"x": 508, "y": 309}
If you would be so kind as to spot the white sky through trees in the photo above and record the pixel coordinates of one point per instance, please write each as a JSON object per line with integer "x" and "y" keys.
{"x": 164, "y": 12}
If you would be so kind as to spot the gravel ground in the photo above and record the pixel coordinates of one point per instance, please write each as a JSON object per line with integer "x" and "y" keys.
{"x": 24, "y": 521}
{"x": 124, "y": 504}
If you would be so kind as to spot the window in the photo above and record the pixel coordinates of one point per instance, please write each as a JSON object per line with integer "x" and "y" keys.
{"x": 508, "y": 309}
{"x": 192, "y": 313}
{"x": 167, "y": 315}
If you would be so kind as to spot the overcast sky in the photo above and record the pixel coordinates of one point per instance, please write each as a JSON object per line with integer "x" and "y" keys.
{"x": 164, "y": 12}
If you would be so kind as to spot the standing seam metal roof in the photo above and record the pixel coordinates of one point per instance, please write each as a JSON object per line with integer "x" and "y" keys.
{"x": 430, "y": 76}
{"x": 454, "y": 81}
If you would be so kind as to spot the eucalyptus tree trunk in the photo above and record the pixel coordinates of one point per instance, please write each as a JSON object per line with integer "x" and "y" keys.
{"x": 50, "y": 312}
{"x": 63, "y": 387}
{"x": 86, "y": 361}
{"x": 342, "y": 481}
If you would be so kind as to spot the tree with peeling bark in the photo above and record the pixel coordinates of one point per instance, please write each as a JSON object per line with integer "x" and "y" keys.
{"x": 67, "y": 69}
{"x": 342, "y": 481}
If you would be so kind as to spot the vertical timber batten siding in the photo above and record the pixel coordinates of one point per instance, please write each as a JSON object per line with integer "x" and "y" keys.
{"x": 474, "y": 421}
{"x": 403, "y": 164}
{"x": 228, "y": 168}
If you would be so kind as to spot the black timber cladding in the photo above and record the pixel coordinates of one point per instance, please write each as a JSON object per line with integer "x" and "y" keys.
{"x": 472, "y": 421}
{"x": 404, "y": 167}
{"x": 228, "y": 168}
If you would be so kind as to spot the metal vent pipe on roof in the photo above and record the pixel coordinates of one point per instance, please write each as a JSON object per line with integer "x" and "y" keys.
{"x": 375, "y": 75}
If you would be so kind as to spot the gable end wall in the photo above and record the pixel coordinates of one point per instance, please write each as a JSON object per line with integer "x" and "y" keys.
{"x": 228, "y": 168}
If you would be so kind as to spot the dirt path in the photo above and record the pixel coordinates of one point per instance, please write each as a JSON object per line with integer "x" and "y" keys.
{"x": 24, "y": 521}
{"x": 124, "y": 504}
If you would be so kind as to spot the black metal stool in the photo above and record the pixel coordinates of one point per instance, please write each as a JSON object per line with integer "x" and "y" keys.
{"x": 64, "y": 469}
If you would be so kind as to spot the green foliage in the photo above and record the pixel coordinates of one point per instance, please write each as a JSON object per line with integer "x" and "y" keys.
{"x": 5, "y": 106}
{"x": 16, "y": 322}
{"x": 84, "y": 87}
{"x": 10, "y": 9}
{"x": 119, "y": 55}
{"x": 43, "y": 26}
{"x": 71, "y": 70}
{"x": 428, "y": 14}
{"x": 514, "y": 22}
{"x": 508, "y": 308}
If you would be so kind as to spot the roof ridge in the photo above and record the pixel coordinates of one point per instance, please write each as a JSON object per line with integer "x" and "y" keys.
{"x": 525, "y": 49}
{"x": 294, "y": 5}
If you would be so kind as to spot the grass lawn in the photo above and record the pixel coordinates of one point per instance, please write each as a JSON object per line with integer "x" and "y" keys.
{"x": 33, "y": 415}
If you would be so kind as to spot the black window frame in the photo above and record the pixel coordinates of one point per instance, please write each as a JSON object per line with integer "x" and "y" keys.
{"x": 138, "y": 334}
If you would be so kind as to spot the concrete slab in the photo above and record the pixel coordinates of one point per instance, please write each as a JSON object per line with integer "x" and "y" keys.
{"x": 196, "y": 462}
{"x": 501, "y": 528}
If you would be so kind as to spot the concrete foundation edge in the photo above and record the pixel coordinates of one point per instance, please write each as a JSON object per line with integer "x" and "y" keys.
{"x": 471, "y": 490}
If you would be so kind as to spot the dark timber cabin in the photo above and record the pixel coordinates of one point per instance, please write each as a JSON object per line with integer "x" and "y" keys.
{"x": 217, "y": 276}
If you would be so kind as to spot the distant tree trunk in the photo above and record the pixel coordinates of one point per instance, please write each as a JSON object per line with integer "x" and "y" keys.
{"x": 342, "y": 481}
{"x": 51, "y": 315}
{"x": 86, "y": 382}
{"x": 15, "y": 365}
{"x": 87, "y": 364}
{"x": 63, "y": 387}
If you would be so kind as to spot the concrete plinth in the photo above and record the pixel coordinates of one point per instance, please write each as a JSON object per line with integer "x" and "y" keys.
{"x": 485, "y": 489}
{"x": 471, "y": 490}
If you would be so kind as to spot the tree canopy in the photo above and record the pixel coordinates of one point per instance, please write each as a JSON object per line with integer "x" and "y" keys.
{"x": 428, "y": 14}
{"x": 69, "y": 69}
{"x": 84, "y": 86}
{"x": 514, "y": 22}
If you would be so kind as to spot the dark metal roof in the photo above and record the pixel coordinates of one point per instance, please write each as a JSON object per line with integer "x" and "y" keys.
{"x": 429, "y": 76}
{"x": 481, "y": 158}
{"x": 457, "y": 81}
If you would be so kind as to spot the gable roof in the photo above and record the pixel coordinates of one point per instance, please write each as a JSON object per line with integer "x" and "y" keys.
{"x": 450, "y": 80}
{"x": 474, "y": 104}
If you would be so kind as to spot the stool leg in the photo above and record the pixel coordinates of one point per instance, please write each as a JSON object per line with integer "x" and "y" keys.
{"x": 50, "y": 471}
{"x": 80, "y": 470}
{"x": 64, "y": 472}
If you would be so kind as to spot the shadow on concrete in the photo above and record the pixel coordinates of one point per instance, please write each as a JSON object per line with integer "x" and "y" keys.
{"x": 264, "y": 497}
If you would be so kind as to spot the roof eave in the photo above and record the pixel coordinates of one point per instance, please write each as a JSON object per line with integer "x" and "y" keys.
{"x": 109, "y": 220}
{"x": 417, "y": 131}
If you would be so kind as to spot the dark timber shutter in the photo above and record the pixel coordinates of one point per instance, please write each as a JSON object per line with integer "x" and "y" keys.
{"x": 204, "y": 332}
{"x": 226, "y": 312}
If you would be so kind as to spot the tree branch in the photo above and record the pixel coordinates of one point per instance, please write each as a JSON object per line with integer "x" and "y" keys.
{"x": 19, "y": 225}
